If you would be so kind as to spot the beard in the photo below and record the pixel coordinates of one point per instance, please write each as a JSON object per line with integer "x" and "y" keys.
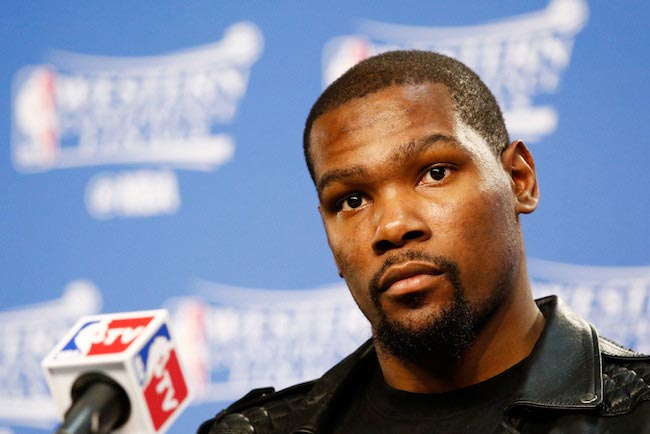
{"x": 444, "y": 335}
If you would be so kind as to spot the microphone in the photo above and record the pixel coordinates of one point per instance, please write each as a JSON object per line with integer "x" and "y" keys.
{"x": 117, "y": 373}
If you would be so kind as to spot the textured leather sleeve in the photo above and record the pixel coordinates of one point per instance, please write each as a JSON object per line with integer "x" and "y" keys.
{"x": 271, "y": 417}
{"x": 235, "y": 423}
{"x": 625, "y": 385}
{"x": 261, "y": 411}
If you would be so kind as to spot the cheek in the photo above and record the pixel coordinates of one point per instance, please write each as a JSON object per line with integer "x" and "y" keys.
{"x": 350, "y": 262}
{"x": 485, "y": 238}
{"x": 336, "y": 241}
{"x": 472, "y": 219}
{"x": 343, "y": 260}
{"x": 340, "y": 244}
{"x": 346, "y": 242}
{"x": 353, "y": 262}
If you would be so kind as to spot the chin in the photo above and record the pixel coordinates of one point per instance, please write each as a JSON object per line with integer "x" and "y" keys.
{"x": 427, "y": 332}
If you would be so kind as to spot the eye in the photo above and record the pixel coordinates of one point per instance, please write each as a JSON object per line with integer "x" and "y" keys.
{"x": 351, "y": 202}
{"x": 435, "y": 174}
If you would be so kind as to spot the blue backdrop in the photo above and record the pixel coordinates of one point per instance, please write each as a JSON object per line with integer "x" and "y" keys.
{"x": 152, "y": 158}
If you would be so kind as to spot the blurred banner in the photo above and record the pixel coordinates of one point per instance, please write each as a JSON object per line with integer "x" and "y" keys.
{"x": 163, "y": 111}
{"x": 153, "y": 159}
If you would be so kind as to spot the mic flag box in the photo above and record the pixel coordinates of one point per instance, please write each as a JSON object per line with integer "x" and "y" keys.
{"x": 134, "y": 349}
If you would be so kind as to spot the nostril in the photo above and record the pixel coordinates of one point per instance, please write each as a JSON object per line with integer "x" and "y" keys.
{"x": 383, "y": 246}
{"x": 412, "y": 235}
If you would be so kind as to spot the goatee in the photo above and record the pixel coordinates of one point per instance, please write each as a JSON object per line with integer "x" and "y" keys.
{"x": 444, "y": 335}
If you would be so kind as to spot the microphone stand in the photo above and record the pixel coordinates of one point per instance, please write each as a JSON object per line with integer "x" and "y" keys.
{"x": 99, "y": 405}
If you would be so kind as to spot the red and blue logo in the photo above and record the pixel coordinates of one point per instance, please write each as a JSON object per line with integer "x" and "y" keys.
{"x": 106, "y": 336}
{"x": 163, "y": 383}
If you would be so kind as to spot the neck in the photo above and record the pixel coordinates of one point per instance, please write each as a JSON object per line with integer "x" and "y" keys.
{"x": 505, "y": 339}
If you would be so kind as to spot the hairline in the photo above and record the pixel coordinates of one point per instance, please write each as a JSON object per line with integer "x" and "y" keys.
{"x": 472, "y": 100}
{"x": 411, "y": 81}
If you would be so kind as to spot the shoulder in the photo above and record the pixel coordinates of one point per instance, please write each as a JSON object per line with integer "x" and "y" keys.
{"x": 260, "y": 411}
{"x": 626, "y": 378}
{"x": 265, "y": 411}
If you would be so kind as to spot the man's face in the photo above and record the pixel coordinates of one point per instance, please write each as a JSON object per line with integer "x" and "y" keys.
{"x": 419, "y": 212}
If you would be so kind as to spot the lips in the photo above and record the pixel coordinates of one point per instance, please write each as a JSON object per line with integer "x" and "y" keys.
{"x": 407, "y": 277}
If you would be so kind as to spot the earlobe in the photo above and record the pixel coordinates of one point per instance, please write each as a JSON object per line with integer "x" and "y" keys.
{"x": 519, "y": 164}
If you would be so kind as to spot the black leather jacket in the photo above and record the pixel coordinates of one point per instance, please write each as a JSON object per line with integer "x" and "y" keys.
{"x": 578, "y": 383}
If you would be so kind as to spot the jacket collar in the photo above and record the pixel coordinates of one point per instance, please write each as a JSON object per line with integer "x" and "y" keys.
{"x": 324, "y": 399}
{"x": 565, "y": 367}
{"x": 565, "y": 370}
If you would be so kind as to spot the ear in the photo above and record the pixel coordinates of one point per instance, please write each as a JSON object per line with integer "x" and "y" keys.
{"x": 518, "y": 163}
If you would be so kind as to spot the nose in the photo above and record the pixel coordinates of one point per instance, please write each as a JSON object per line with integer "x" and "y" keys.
{"x": 399, "y": 222}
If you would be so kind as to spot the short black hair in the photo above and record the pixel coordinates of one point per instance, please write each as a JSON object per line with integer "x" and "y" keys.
{"x": 472, "y": 99}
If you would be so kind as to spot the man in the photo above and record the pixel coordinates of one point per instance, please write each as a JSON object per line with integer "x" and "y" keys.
{"x": 421, "y": 193}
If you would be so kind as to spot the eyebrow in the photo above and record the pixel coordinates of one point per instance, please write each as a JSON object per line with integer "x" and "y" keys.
{"x": 398, "y": 156}
{"x": 405, "y": 151}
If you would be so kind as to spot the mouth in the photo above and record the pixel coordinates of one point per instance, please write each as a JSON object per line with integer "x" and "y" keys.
{"x": 409, "y": 277}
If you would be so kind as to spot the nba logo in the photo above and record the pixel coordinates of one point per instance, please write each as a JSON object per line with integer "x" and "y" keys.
{"x": 35, "y": 119}
{"x": 105, "y": 337}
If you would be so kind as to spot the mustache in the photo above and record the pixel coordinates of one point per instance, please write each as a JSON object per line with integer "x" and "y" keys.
{"x": 447, "y": 266}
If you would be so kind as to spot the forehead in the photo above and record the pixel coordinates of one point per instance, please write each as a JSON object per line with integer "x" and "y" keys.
{"x": 388, "y": 109}
{"x": 365, "y": 127}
